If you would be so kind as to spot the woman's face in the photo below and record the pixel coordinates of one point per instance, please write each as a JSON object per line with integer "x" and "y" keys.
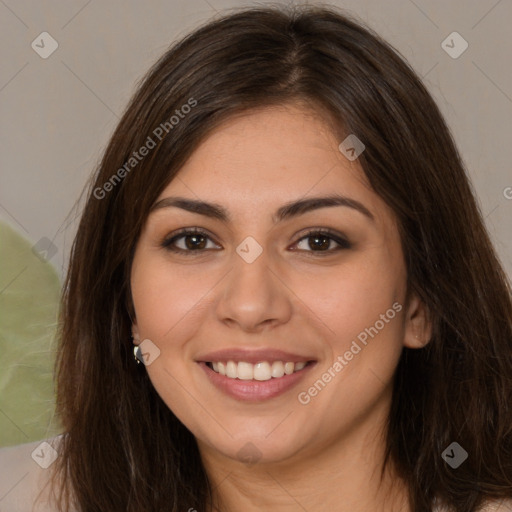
{"x": 272, "y": 276}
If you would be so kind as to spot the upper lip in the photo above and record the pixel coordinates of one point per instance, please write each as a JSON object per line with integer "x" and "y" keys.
{"x": 252, "y": 356}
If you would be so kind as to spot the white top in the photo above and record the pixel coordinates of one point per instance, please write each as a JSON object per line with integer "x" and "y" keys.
{"x": 24, "y": 474}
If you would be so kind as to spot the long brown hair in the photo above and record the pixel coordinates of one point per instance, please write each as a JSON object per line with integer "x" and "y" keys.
{"x": 123, "y": 449}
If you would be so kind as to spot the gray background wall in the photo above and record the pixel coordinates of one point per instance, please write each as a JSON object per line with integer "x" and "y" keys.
{"x": 57, "y": 113}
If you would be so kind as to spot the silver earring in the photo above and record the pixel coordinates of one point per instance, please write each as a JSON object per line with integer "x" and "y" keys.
{"x": 137, "y": 353}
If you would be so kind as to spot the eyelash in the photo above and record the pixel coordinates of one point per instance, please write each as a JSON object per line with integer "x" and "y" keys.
{"x": 327, "y": 233}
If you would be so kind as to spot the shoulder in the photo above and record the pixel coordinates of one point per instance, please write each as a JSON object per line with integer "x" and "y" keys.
{"x": 25, "y": 472}
{"x": 504, "y": 505}
{"x": 498, "y": 506}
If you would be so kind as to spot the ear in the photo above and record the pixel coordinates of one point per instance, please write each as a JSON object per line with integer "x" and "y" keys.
{"x": 418, "y": 324}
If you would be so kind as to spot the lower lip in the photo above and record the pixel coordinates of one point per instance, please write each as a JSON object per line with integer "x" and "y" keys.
{"x": 255, "y": 390}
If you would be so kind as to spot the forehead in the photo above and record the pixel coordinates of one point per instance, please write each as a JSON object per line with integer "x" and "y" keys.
{"x": 272, "y": 144}
{"x": 267, "y": 156}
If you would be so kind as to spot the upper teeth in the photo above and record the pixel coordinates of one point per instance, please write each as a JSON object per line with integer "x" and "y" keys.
{"x": 259, "y": 371}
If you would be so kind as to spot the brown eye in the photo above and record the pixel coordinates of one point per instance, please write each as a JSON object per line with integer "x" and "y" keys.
{"x": 195, "y": 241}
{"x": 322, "y": 242}
{"x": 192, "y": 240}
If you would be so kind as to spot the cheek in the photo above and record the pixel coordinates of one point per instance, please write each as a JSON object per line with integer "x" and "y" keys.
{"x": 167, "y": 312}
{"x": 352, "y": 297}
{"x": 363, "y": 310}
{"x": 164, "y": 298}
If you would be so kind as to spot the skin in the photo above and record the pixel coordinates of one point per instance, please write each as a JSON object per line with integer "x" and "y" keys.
{"x": 325, "y": 455}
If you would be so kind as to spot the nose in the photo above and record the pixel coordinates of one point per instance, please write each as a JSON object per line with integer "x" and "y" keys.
{"x": 253, "y": 296}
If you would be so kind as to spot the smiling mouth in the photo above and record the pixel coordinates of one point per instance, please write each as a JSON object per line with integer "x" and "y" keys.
{"x": 261, "y": 371}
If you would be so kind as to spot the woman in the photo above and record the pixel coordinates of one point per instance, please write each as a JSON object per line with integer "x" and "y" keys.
{"x": 282, "y": 295}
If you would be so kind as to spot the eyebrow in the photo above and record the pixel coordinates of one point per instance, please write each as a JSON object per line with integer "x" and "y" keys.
{"x": 287, "y": 211}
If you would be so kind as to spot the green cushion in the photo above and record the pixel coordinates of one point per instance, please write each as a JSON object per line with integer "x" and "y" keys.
{"x": 29, "y": 297}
